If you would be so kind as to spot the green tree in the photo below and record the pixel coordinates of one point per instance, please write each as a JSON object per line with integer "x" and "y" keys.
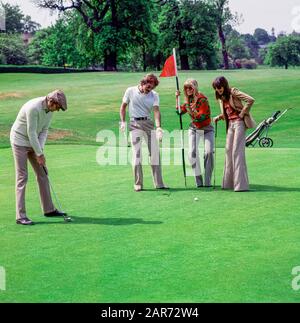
{"x": 56, "y": 46}
{"x": 86, "y": 43}
{"x": 263, "y": 52}
{"x": 237, "y": 48}
{"x": 116, "y": 22}
{"x": 223, "y": 17}
{"x": 273, "y": 36}
{"x": 252, "y": 45}
{"x": 285, "y": 52}
{"x": 190, "y": 27}
{"x": 12, "y": 50}
{"x": 262, "y": 36}
{"x": 172, "y": 28}
{"x": 13, "y": 18}
{"x": 16, "y": 21}
{"x": 30, "y": 26}
{"x": 200, "y": 34}
{"x": 36, "y": 48}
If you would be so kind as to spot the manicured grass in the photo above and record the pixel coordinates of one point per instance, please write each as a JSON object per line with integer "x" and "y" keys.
{"x": 153, "y": 246}
{"x": 95, "y": 98}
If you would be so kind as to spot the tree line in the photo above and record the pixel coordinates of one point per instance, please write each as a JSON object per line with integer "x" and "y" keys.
{"x": 139, "y": 35}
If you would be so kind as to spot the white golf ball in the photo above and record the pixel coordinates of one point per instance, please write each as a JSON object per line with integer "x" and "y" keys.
{"x": 196, "y": 199}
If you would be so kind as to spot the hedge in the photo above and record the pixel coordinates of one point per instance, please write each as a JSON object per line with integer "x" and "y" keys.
{"x": 41, "y": 69}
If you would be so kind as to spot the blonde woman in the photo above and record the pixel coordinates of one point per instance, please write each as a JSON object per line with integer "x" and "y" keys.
{"x": 197, "y": 106}
{"x": 235, "y": 107}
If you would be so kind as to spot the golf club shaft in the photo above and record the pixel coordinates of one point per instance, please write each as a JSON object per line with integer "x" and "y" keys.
{"x": 215, "y": 166}
{"x": 52, "y": 190}
{"x": 55, "y": 196}
{"x": 126, "y": 137}
{"x": 182, "y": 150}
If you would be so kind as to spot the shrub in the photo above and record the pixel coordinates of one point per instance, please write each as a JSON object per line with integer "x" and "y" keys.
{"x": 40, "y": 69}
{"x": 249, "y": 64}
{"x": 12, "y": 49}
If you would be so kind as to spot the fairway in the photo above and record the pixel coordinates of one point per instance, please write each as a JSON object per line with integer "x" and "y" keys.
{"x": 154, "y": 246}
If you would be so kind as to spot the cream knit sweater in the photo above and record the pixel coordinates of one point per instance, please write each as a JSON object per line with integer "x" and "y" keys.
{"x": 31, "y": 126}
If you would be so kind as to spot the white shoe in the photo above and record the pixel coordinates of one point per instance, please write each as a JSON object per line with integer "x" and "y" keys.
{"x": 138, "y": 188}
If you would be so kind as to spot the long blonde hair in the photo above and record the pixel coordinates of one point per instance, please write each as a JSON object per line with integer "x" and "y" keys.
{"x": 190, "y": 83}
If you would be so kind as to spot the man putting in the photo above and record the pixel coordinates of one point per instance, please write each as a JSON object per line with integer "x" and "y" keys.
{"x": 142, "y": 99}
{"x": 28, "y": 137}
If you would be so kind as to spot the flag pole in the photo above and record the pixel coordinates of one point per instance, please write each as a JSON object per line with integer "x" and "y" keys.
{"x": 180, "y": 117}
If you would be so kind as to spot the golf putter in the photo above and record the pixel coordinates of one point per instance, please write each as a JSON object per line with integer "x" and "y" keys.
{"x": 125, "y": 134}
{"x": 66, "y": 218}
{"x": 126, "y": 138}
{"x": 216, "y": 135}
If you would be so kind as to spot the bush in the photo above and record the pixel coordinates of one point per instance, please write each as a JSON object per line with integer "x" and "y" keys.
{"x": 285, "y": 52}
{"x": 238, "y": 64}
{"x": 249, "y": 64}
{"x": 2, "y": 59}
{"x": 12, "y": 50}
{"x": 40, "y": 69}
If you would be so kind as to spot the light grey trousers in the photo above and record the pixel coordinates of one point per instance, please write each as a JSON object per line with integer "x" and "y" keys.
{"x": 21, "y": 155}
{"x": 235, "y": 172}
{"x": 209, "y": 143}
{"x": 140, "y": 130}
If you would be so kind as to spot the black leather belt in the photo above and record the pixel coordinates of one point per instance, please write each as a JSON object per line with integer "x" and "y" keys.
{"x": 140, "y": 119}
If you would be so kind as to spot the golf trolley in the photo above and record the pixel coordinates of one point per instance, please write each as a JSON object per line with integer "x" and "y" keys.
{"x": 260, "y": 134}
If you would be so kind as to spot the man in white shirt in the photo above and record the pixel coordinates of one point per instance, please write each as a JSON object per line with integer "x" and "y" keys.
{"x": 28, "y": 137}
{"x": 142, "y": 99}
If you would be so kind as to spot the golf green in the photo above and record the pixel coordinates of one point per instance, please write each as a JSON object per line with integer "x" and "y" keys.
{"x": 153, "y": 246}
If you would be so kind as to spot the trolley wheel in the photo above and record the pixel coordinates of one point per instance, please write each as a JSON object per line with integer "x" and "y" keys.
{"x": 266, "y": 142}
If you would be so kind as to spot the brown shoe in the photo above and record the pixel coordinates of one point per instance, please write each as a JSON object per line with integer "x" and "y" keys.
{"x": 55, "y": 213}
{"x": 24, "y": 221}
{"x": 163, "y": 188}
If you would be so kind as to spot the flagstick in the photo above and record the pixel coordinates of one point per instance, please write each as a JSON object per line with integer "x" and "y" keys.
{"x": 180, "y": 117}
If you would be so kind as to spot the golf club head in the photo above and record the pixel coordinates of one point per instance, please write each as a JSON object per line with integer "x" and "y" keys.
{"x": 68, "y": 219}
{"x": 270, "y": 120}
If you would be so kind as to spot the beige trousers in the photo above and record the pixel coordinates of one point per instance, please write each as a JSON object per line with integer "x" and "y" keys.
{"x": 140, "y": 130}
{"x": 21, "y": 155}
{"x": 235, "y": 172}
{"x": 209, "y": 143}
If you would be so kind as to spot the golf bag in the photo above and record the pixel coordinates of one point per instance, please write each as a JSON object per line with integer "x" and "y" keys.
{"x": 260, "y": 134}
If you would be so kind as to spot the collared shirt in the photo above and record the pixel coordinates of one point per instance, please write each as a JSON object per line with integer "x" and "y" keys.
{"x": 140, "y": 104}
{"x": 31, "y": 126}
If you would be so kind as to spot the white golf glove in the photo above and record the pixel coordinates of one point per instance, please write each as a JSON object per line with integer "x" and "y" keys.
{"x": 216, "y": 119}
{"x": 159, "y": 133}
{"x": 123, "y": 126}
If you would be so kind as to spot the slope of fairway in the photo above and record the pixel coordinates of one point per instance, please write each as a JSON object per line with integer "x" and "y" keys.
{"x": 153, "y": 246}
{"x": 94, "y": 101}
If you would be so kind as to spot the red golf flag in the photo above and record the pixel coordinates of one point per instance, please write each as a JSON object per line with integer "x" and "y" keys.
{"x": 169, "y": 69}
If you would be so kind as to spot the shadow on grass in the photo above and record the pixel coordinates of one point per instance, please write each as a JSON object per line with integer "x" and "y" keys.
{"x": 255, "y": 188}
{"x": 103, "y": 221}
{"x": 113, "y": 221}
{"x": 268, "y": 188}
{"x": 183, "y": 189}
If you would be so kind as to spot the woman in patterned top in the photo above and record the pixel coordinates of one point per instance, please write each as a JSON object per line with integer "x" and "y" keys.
{"x": 235, "y": 110}
{"x": 197, "y": 106}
